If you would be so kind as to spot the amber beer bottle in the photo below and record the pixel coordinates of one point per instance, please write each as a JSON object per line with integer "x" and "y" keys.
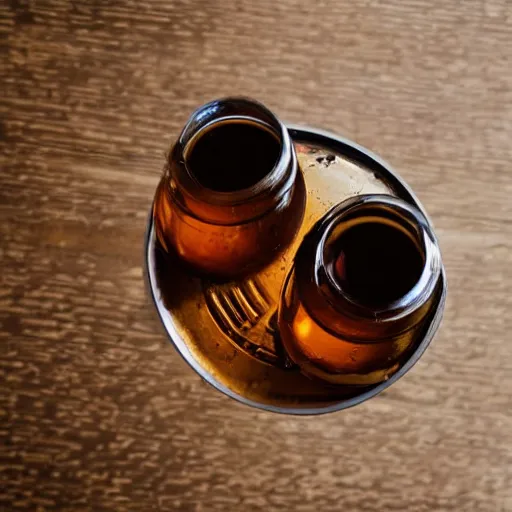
{"x": 229, "y": 197}
{"x": 364, "y": 280}
{"x": 309, "y": 277}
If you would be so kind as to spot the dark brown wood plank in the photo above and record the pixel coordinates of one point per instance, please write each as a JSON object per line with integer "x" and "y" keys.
{"x": 96, "y": 410}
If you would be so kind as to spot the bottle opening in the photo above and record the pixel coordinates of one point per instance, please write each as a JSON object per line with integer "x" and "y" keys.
{"x": 376, "y": 263}
{"x": 232, "y": 155}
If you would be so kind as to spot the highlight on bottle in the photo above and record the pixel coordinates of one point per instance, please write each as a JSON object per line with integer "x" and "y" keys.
{"x": 365, "y": 281}
{"x": 231, "y": 180}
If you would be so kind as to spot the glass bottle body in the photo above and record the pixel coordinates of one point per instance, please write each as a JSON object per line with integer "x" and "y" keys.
{"x": 353, "y": 305}
{"x": 223, "y": 214}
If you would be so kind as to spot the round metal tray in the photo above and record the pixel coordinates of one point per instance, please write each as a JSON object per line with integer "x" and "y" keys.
{"x": 250, "y": 371}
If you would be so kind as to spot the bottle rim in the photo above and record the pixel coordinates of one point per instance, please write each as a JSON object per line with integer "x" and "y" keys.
{"x": 238, "y": 206}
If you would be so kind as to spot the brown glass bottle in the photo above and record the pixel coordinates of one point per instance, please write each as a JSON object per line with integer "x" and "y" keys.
{"x": 224, "y": 203}
{"x": 364, "y": 280}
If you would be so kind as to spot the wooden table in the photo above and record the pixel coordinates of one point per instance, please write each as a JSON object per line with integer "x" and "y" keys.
{"x": 97, "y": 412}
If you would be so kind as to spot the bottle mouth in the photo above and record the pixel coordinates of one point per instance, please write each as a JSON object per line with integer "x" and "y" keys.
{"x": 372, "y": 259}
{"x": 232, "y": 153}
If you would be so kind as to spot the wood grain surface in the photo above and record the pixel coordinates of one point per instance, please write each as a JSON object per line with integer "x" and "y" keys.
{"x": 96, "y": 410}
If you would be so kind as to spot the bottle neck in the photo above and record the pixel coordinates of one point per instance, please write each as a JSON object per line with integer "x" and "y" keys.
{"x": 369, "y": 269}
{"x": 233, "y": 162}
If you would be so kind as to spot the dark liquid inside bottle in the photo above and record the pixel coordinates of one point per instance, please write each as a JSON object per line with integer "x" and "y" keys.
{"x": 376, "y": 264}
{"x": 233, "y": 156}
